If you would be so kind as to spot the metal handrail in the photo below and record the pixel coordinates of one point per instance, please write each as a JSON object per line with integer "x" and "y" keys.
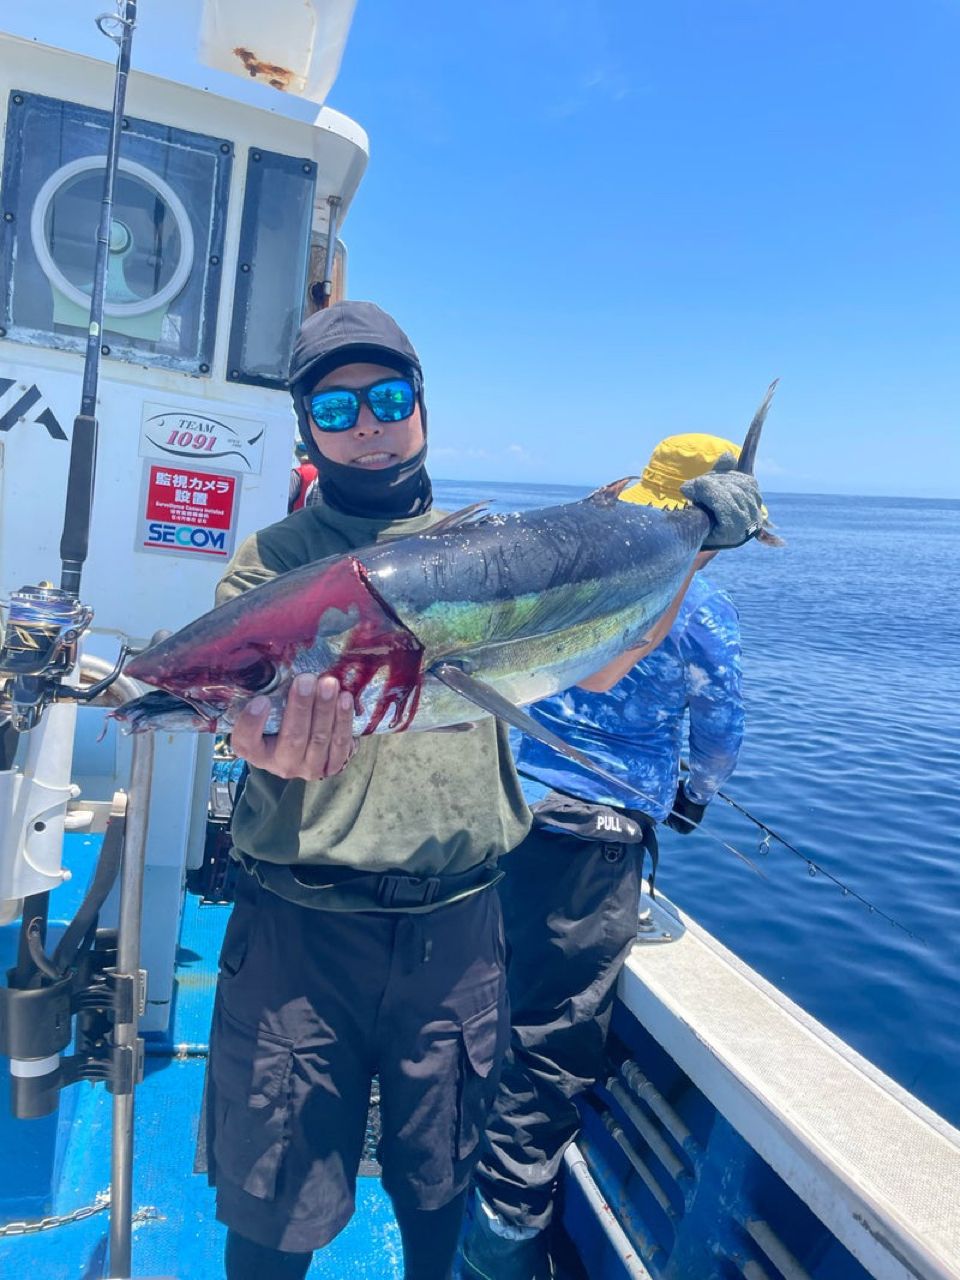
{"x": 128, "y": 961}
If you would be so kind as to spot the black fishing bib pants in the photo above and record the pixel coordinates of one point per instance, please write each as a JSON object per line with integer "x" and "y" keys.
{"x": 310, "y": 1005}
{"x": 570, "y": 907}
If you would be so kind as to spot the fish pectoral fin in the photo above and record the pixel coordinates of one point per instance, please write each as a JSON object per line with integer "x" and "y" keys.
{"x": 457, "y": 519}
{"x": 496, "y": 704}
{"x": 609, "y": 493}
{"x": 485, "y": 696}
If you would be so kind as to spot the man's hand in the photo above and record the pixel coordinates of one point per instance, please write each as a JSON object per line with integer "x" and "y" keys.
{"x": 732, "y": 501}
{"x": 315, "y": 739}
{"x": 686, "y": 813}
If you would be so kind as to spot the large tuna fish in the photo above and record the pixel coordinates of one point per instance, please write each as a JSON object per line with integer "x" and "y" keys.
{"x": 473, "y": 617}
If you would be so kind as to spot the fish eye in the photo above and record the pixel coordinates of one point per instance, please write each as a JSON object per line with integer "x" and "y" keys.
{"x": 258, "y": 677}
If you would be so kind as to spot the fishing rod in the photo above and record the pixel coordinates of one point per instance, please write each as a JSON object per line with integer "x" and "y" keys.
{"x": 93, "y": 975}
{"x": 39, "y": 647}
{"x": 40, "y": 642}
{"x": 813, "y": 867}
{"x": 45, "y": 623}
{"x": 74, "y": 542}
{"x": 579, "y": 757}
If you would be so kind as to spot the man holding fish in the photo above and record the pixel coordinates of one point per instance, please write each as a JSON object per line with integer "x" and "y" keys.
{"x": 365, "y": 939}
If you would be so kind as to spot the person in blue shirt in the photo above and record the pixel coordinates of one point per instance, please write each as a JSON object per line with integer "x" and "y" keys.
{"x": 571, "y": 890}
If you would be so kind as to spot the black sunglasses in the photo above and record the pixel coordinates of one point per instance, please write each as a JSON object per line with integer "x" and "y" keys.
{"x": 338, "y": 408}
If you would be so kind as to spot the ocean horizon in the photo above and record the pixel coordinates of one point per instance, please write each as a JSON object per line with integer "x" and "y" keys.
{"x": 528, "y": 486}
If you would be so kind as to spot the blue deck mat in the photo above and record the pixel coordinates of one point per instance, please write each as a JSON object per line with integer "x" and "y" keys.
{"x": 175, "y": 1232}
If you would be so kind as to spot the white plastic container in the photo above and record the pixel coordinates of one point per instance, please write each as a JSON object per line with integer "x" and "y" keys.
{"x": 291, "y": 45}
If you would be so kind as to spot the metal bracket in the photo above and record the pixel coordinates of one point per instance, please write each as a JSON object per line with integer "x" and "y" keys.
{"x": 657, "y": 922}
{"x": 127, "y": 995}
{"x": 36, "y": 1025}
{"x": 126, "y": 1068}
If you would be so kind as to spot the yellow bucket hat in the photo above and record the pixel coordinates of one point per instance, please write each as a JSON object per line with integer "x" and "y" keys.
{"x": 674, "y": 461}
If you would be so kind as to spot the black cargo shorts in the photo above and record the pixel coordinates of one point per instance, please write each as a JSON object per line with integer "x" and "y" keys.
{"x": 310, "y": 1005}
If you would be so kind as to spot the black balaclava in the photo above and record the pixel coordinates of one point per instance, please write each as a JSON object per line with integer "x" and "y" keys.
{"x": 359, "y": 333}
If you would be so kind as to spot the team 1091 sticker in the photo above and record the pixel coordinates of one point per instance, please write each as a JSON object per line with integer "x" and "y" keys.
{"x": 185, "y": 511}
{"x": 190, "y": 435}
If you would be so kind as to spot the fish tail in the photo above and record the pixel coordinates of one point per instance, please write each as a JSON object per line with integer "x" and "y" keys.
{"x": 748, "y": 457}
{"x": 751, "y": 441}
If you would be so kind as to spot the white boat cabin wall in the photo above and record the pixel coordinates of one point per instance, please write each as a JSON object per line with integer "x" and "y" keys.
{"x": 219, "y": 232}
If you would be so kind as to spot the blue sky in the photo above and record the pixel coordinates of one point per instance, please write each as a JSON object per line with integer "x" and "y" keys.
{"x": 604, "y": 221}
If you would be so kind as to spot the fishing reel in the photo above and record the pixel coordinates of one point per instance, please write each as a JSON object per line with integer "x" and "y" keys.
{"x": 38, "y": 651}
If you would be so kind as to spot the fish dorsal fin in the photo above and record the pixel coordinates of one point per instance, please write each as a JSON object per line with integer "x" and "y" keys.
{"x": 609, "y": 493}
{"x": 457, "y": 519}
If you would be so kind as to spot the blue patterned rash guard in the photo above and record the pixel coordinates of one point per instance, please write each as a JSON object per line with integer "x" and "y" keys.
{"x": 635, "y": 730}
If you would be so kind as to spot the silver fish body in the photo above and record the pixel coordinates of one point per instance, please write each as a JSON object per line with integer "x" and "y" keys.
{"x": 528, "y": 603}
{"x": 472, "y": 617}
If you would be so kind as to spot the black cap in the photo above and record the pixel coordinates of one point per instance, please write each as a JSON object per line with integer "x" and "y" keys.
{"x": 352, "y": 333}
{"x": 349, "y": 333}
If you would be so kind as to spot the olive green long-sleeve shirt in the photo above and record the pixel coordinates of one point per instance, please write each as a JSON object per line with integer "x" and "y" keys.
{"x": 427, "y": 804}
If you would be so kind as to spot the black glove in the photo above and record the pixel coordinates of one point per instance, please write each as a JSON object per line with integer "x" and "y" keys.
{"x": 686, "y": 815}
{"x": 732, "y": 501}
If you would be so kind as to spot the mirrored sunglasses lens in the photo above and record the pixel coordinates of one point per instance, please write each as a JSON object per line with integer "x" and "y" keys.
{"x": 392, "y": 401}
{"x": 334, "y": 410}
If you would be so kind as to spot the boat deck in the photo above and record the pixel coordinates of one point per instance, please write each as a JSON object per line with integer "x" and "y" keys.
{"x": 175, "y": 1232}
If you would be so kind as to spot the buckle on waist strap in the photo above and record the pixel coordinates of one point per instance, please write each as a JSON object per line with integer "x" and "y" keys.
{"x": 407, "y": 891}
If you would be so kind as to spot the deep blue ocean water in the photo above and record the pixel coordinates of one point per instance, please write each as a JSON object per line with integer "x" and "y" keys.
{"x": 851, "y": 636}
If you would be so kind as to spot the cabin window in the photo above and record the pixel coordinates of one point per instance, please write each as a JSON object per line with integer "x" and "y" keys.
{"x": 166, "y": 234}
{"x": 272, "y": 267}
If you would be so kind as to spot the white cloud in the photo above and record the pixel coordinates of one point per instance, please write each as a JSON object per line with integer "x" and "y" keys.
{"x": 513, "y": 453}
{"x": 519, "y": 453}
{"x": 451, "y": 452}
{"x": 770, "y": 467}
